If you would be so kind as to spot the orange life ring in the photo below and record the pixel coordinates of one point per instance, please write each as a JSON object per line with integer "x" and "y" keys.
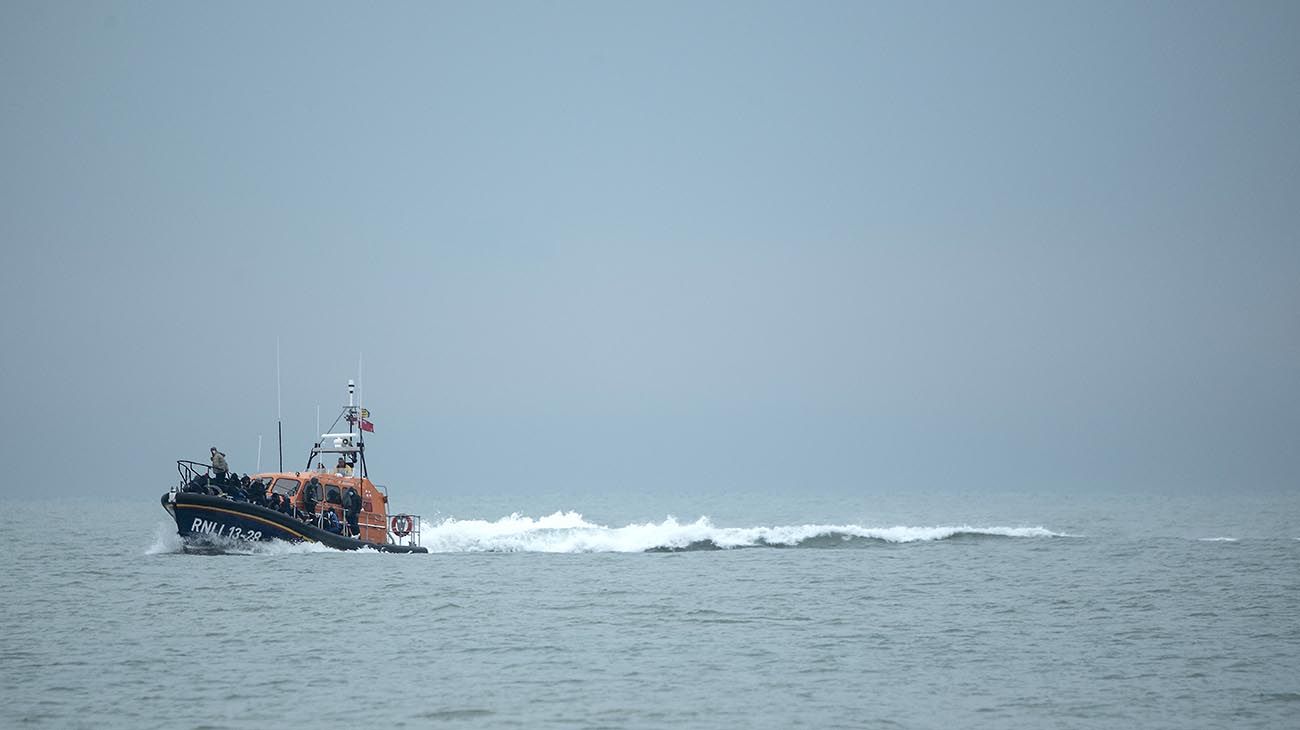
{"x": 401, "y": 525}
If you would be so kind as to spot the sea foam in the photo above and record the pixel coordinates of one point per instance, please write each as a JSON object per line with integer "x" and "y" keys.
{"x": 165, "y": 540}
{"x": 569, "y": 532}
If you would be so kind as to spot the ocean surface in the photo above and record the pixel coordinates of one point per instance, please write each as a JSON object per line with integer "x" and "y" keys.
{"x": 603, "y": 611}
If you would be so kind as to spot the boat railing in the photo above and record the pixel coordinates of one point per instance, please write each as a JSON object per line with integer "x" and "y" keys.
{"x": 370, "y": 524}
{"x": 410, "y": 538}
{"x": 197, "y": 476}
{"x": 191, "y": 470}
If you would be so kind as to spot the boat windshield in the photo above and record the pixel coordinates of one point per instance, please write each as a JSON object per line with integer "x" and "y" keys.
{"x": 287, "y": 487}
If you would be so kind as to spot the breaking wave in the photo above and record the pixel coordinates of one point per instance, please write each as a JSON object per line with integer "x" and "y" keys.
{"x": 165, "y": 540}
{"x": 569, "y": 532}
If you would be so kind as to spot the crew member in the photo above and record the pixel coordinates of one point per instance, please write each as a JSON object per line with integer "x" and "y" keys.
{"x": 219, "y": 465}
{"x": 352, "y": 510}
{"x": 311, "y": 494}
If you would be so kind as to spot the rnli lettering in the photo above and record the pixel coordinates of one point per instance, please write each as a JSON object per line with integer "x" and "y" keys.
{"x": 209, "y": 527}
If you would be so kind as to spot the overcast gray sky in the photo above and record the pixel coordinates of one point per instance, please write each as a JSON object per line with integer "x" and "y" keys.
{"x": 671, "y": 245}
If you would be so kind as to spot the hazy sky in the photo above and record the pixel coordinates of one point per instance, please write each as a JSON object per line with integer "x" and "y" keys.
{"x": 636, "y": 246}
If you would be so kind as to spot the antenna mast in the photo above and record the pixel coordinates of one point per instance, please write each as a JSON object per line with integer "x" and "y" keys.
{"x": 361, "y": 432}
{"x": 279, "y": 425}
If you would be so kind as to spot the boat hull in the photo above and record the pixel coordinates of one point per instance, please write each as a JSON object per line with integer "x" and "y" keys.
{"x": 205, "y": 518}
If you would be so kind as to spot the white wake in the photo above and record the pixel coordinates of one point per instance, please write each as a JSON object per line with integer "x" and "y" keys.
{"x": 569, "y": 532}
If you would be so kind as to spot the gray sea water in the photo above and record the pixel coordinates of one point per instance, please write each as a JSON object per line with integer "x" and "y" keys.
{"x": 599, "y": 611}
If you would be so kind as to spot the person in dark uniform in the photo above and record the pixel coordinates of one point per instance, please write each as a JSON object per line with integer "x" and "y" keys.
{"x": 352, "y": 510}
{"x": 235, "y": 488}
{"x": 310, "y": 496}
{"x": 256, "y": 491}
{"x": 198, "y": 485}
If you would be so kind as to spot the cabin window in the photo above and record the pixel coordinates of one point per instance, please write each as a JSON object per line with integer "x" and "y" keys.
{"x": 287, "y": 487}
